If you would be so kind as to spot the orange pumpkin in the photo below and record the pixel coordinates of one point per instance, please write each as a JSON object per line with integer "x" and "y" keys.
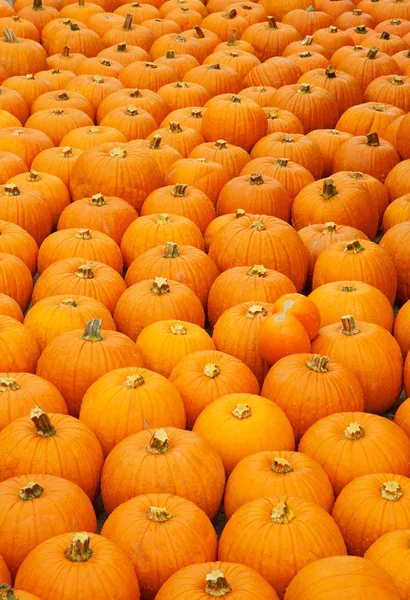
{"x": 19, "y": 350}
{"x": 87, "y": 137}
{"x": 343, "y": 86}
{"x": 16, "y": 241}
{"x": 21, "y": 55}
{"x": 397, "y": 212}
{"x": 58, "y": 162}
{"x": 145, "y": 99}
{"x": 368, "y": 117}
{"x": 395, "y": 242}
{"x": 24, "y": 142}
{"x": 27, "y": 208}
{"x": 16, "y": 280}
{"x": 182, "y": 139}
{"x": 62, "y": 98}
{"x": 132, "y": 122}
{"x": 208, "y": 176}
{"x": 232, "y": 157}
{"x": 291, "y": 174}
{"x": 11, "y": 165}
{"x": 270, "y": 38}
{"x": 29, "y": 87}
{"x": 10, "y": 308}
{"x": 390, "y": 550}
{"x": 163, "y": 154}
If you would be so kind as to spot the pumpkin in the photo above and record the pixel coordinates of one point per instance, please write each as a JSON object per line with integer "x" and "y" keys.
{"x": 44, "y": 449}
{"x": 34, "y": 508}
{"x": 148, "y": 301}
{"x": 87, "y": 137}
{"x": 389, "y": 43}
{"x": 277, "y": 473}
{"x": 147, "y": 75}
{"x": 338, "y": 298}
{"x": 146, "y": 399}
{"x": 208, "y": 176}
{"x": 145, "y": 99}
{"x": 10, "y": 308}
{"x": 132, "y": 122}
{"x": 180, "y": 44}
{"x": 70, "y": 243}
{"x": 181, "y": 64}
{"x": 38, "y": 14}
{"x": 261, "y": 239}
{"x": 370, "y": 184}
{"x": 217, "y": 78}
{"x": 275, "y": 72}
{"x": 16, "y": 280}
{"x": 261, "y": 94}
{"x": 26, "y": 207}
{"x": 75, "y": 276}
{"x": 278, "y": 556}
{"x": 160, "y": 27}
{"x": 360, "y": 577}
{"x": 21, "y": 55}
{"x": 103, "y": 22}
{"x": 217, "y": 579}
{"x": 124, "y": 53}
{"x": 149, "y": 231}
{"x": 401, "y": 328}
{"x": 308, "y": 60}
{"x": 371, "y": 353}
{"x": 24, "y": 142}
{"x": 225, "y": 111}
{"x": 357, "y": 17}
{"x": 396, "y": 212}
{"x": 83, "y": 11}
{"x": 240, "y": 61}
{"x": 150, "y": 522}
{"x": 108, "y": 214}
{"x": 20, "y": 392}
{"x": 8, "y": 120}
{"x": 232, "y": 157}
{"x": 270, "y": 38}
{"x": 16, "y": 241}
{"x": 308, "y": 20}
{"x": 61, "y": 98}
{"x": 342, "y": 85}
{"x": 396, "y": 244}
{"x": 28, "y": 86}
{"x": 55, "y": 556}
{"x": 65, "y": 59}
{"x": 282, "y": 120}
{"x": 303, "y": 309}
{"x": 129, "y": 469}
{"x": 163, "y": 344}
{"x": 242, "y": 284}
{"x": 94, "y": 87}
{"x": 5, "y": 573}
{"x": 385, "y": 495}
{"x": 204, "y": 376}
{"x": 218, "y": 223}
{"x": 183, "y": 94}
{"x": 359, "y": 259}
{"x": 129, "y": 33}
{"x": 58, "y": 162}
{"x": 291, "y": 174}
{"x": 387, "y": 552}
{"x": 319, "y": 237}
{"x": 137, "y": 175}
{"x": 389, "y": 89}
{"x": 240, "y": 424}
{"x": 397, "y": 180}
{"x": 11, "y": 165}
{"x": 100, "y": 66}
{"x": 236, "y": 332}
{"x": 182, "y": 139}
{"x": 108, "y": 351}
{"x": 163, "y": 154}
{"x": 368, "y": 117}
{"x": 296, "y": 147}
{"x": 80, "y": 40}
{"x": 329, "y": 142}
{"x": 54, "y": 315}
{"x": 366, "y": 65}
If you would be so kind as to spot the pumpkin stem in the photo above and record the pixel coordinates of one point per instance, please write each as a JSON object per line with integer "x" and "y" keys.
{"x": 92, "y": 331}
{"x": 171, "y": 250}
{"x": 211, "y": 370}
{"x": 391, "y": 490}
{"x": 232, "y": 38}
{"x": 10, "y": 36}
{"x": 354, "y": 431}
{"x": 68, "y": 302}
{"x": 159, "y": 443}
{"x": 348, "y": 288}
{"x": 385, "y": 35}
{"x": 358, "y": 175}
{"x": 42, "y": 423}
{"x": 136, "y": 94}
{"x": 239, "y": 213}
{"x": 37, "y": 5}
{"x": 179, "y": 190}
{"x": 349, "y": 326}
{"x": 122, "y": 47}
{"x": 361, "y": 29}
{"x": 73, "y": 26}
{"x": 31, "y": 491}
{"x": 174, "y": 127}
{"x": 329, "y": 189}
{"x": 333, "y": 29}
{"x": 287, "y": 139}
{"x": 105, "y": 62}
{"x": 199, "y": 33}
{"x": 282, "y": 514}
{"x": 330, "y": 72}
{"x": 170, "y": 54}
{"x": 158, "y": 515}
{"x": 311, "y": 8}
{"x": 329, "y": 228}
{"x": 79, "y": 550}
{"x": 255, "y": 311}
{"x": 118, "y": 153}
{"x": 304, "y": 88}
{"x": 155, "y": 142}
{"x": 257, "y": 271}
{"x": 67, "y": 152}
{"x": 83, "y": 234}
{"x": 127, "y": 22}
{"x": 357, "y": 12}
{"x": 372, "y": 139}
{"x": 318, "y": 364}
{"x": 256, "y": 179}
{"x": 63, "y": 97}
{"x": 134, "y": 381}
{"x": 307, "y": 40}
{"x": 397, "y": 80}
{"x": 230, "y": 14}
{"x": 273, "y": 114}
{"x": 220, "y": 145}
{"x": 8, "y": 384}
{"x": 216, "y": 584}
{"x": 98, "y": 200}
{"x": 11, "y": 189}
{"x": 85, "y": 271}
{"x": 272, "y": 22}
{"x": 281, "y": 466}
{"x": 353, "y": 247}
{"x": 160, "y": 286}
{"x": 163, "y": 219}
{"x": 7, "y": 592}
{"x": 258, "y": 225}
{"x": 196, "y": 113}
{"x": 178, "y": 329}
{"x": 242, "y": 411}
{"x": 372, "y": 53}
{"x": 65, "y": 52}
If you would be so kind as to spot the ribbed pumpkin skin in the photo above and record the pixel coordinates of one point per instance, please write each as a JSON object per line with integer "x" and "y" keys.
{"x": 339, "y": 298}
{"x": 235, "y": 435}
{"x": 191, "y": 468}
{"x": 396, "y": 241}
{"x": 390, "y": 553}
{"x": 10, "y": 308}
{"x": 106, "y": 285}
{"x": 273, "y": 243}
{"x": 125, "y": 401}
{"x": 275, "y": 549}
{"x": 66, "y": 361}
{"x": 382, "y": 447}
{"x": 186, "y": 538}
{"x": 18, "y": 349}
{"x": 16, "y": 241}
{"x": 362, "y": 260}
{"x": 245, "y": 583}
{"x": 58, "y": 162}
{"x": 204, "y": 376}
{"x": 54, "y": 315}
{"x": 402, "y": 417}
{"x": 144, "y": 303}
{"x": 32, "y": 391}
{"x": 108, "y": 573}
{"x": 321, "y": 580}
{"x": 11, "y": 165}
{"x": 73, "y": 453}
{"x": 291, "y": 174}
{"x": 364, "y": 515}
{"x": 16, "y": 280}
{"x": 62, "y": 507}
{"x": 293, "y": 385}
{"x": 402, "y": 328}
{"x": 4, "y": 572}
{"x": 397, "y": 212}
{"x": 294, "y": 474}
{"x": 236, "y": 332}
{"x": 373, "y": 355}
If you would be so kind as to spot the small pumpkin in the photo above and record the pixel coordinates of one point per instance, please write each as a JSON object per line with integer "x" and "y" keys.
{"x": 11, "y": 165}
{"x": 16, "y": 241}
{"x": 57, "y": 161}
{"x": 10, "y": 308}
{"x": 207, "y": 175}
{"x": 145, "y": 99}
{"x": 291, "y": 174}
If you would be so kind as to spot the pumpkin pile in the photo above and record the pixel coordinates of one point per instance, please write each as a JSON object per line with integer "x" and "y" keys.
{"x": 204, "y": 299}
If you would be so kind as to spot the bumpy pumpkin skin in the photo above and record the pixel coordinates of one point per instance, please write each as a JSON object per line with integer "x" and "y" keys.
{"x": 323, "y": 384}
{"x": 125, "y": 401}
{"x": 321, "y": 581}
{"x": 267, "y": 534}
{"x": 36, "y": 507}
{"x": 277, "y": 473}
{"x": 165, "y": 460}
{"x": 384, "y": 496}
{"x": 145, "y": 523}
{"x": 105, "y": 573}
{"x": 238, "y": 425}
{"x": 63, "y": 447}
{"x": 351, "y": 444}
{"x": 244, "y": 582}
{"x": 390, "y": 553}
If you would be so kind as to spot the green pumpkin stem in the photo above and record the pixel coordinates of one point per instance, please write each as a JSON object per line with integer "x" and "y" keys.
{"x": 329, "y": 189}
{"x": 7, "y": 592}
{"x": 318, "y": 364}
{"x": 92, "y": 331}
{"x": 171, "y": 250}
{"x": 31, "y": 491}
{"x": 353, "y": 247}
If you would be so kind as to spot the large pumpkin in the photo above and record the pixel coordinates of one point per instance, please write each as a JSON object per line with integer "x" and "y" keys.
{"x": 166, "y": 460}
{"x": 19, "y": 351}
{"x": 390, "y": 554}
{"x": 16, "y": 279}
